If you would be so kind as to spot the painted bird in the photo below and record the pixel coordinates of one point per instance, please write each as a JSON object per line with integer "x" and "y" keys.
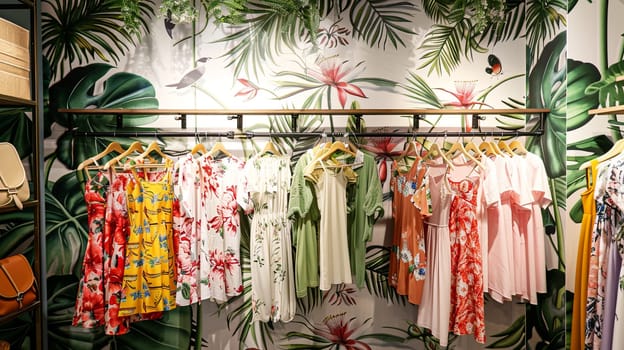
{"x": 169, "y": 25}
{"x": 192, "y": 76}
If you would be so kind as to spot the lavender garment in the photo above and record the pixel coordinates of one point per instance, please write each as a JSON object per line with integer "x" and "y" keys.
{"x": 613, "y": 274}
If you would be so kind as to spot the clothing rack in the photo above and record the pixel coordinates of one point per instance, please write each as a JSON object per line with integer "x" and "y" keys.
{"x": 238, "y": 114}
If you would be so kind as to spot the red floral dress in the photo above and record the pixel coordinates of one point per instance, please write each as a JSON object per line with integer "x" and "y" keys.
{"x": 220, "y": 268}
{"x": 90, "y": 308}
{"x": 467, "y": 304}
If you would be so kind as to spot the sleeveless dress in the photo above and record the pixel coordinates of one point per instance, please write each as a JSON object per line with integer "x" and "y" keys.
{"x": 467, "y": 307}
{"x": 410, "y": 261}
{"x": 90, "y": 302}
{"x": 149, "y": 281}
{"x": 434, "y": 310}
{"x": 331, "y": 194}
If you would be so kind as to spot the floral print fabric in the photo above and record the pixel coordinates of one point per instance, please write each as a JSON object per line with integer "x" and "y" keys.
{"x": 467, "y": 303}
{"x": 187, "y": 186}
{"x": 108, "y": 223}
{"x": 410, "y": 204}
{"x": 149, "y": 280}
{"x": 90, "y": 306}
{"x": 220, "y": 268}
{"x": 265, "y": 192}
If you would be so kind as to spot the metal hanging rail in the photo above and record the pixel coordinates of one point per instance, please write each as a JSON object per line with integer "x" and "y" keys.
{"x": 238, "y": 115}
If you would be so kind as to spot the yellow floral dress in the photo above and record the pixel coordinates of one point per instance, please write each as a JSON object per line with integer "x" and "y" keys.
{"x": 149, "y": 282}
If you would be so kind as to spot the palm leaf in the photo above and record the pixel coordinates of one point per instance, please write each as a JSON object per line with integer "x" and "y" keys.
{"x": 330, "y": 7}
{"x": 543, "y": 20}
{"x": 437, "y": 10}
{"x": 86, "y": 30}
{"x": 376, "y": 279}
{"x": 265, "y": 34}
{"x": 378, "y": 22}
{"x": 419, "y": 90}
{"x": 444, "y": 44}
{"x": 510, "y": 28}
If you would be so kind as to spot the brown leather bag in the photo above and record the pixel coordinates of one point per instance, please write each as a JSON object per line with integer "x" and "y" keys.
{"x": 13, "y": 184}
{"x": 18, "y": 287}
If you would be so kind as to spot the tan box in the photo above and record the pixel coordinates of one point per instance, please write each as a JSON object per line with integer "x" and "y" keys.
{"x": 14, "y": 60}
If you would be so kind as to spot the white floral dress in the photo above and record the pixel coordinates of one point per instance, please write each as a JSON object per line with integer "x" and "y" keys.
{"x": 220, "y": 268}
{"x": 187, "y": 187}
{"x": 264, "y": 194}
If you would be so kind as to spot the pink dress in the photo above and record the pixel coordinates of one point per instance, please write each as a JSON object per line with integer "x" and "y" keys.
{"x": 435, "y": 307}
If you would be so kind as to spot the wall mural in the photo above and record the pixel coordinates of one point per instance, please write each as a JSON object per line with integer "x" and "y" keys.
{"x": 299, "y": 54}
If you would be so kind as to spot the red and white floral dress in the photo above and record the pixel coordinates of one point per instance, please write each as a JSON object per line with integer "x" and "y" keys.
{"x": 220, "y": 268}
{"x": 467, "y": 303}
{"x": 90, "y": 307}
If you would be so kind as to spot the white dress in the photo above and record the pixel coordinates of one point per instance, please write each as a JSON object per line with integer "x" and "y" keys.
{"x": 331, "y": 195}
{"x": 265, "y": 192}
{"x": 220, "y": 267}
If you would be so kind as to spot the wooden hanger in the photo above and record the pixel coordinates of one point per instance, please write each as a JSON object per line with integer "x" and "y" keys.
{"x": 410, "y": 150}
{"x": 495, "y": 148}
{"x": 112, "y": 147}
{"x": 472, "y": 147}
{"x": 518, "y": 148}
{"x": 337, "y": 146}
{"x": 615, "y": 150}
{"x": 219, "y": 148}
{"x": 153, "y": 147}
{"x": 505, "y": 148}
{"x": 436, "y": 152}
{"x": 459, "y": 147}
{"x": 134, "y": 147}
{"x": 488, "y": 149}
{"x": 199, "y": 149}
{"x": 270, "y": 148}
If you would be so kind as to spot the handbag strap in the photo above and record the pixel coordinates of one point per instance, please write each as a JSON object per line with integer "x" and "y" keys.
{"x": 20, "y": 295}
{"x": 12, "y": 191}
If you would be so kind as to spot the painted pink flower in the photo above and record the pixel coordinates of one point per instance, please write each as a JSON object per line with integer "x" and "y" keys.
{"x": 250, "y": 90}
{"x": 332, "y": 74}
{"x": 465, "y": 95}
{"x": 338, "y": 330}
{"x": 384, "y": 148}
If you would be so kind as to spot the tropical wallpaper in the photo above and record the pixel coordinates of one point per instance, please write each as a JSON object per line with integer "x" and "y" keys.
{"x": 314, "y": 54}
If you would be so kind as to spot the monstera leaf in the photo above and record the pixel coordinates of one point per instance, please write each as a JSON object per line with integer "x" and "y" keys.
{"x": 547, "y": 85}
{"x": 61, "y": 335}
{"x": 17, "y": 129}
{"x": 76, "y": 90}
{"x": 576, "y": 179}
{"x": 66, "y": 222}
{"x": 173, "y": 331}
{"x": 609, "y": 89}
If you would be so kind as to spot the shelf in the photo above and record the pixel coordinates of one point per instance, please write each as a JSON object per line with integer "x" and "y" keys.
{"x": 28, "y": 204}
{"x": 7, "y": 318}
{"x": 607, "y": 110}
{"x": 10, "y": 101}
{"x": 375, "y": 111}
